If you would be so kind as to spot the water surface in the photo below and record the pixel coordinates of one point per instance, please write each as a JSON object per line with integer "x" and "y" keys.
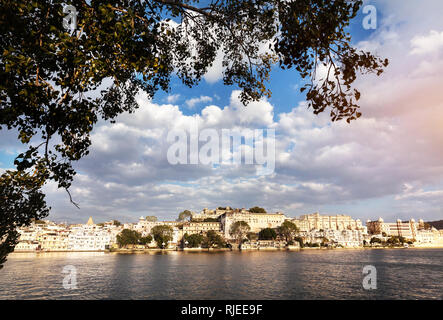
{"x": 307, "y": 274}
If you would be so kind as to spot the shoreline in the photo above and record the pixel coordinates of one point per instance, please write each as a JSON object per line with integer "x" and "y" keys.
{"x": 203, "y": 250}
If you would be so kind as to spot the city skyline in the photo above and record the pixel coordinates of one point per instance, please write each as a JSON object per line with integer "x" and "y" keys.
{"x": 197, "y": 213}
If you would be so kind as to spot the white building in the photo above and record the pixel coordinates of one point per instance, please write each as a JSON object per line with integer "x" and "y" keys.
{"x": 89, "y": 237}
{"x": 345, "y": 238}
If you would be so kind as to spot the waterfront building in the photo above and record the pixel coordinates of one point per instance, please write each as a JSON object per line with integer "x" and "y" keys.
{"x": 53, "y": 241}
{"x": 425, "y": 236}
{"x": 28, "y": 234}
{"x": 201, "y": 227}
{"x": 405, "y": 229}
{"x": 212, "y": 214}
{"x": 257, "y": 221}
{"x": 411, "y": 230}
{"x": 83, "y": 239}
{"x": 345, "y": 238}
{"x": 89, "y": 237}
{"x": 144, "y": 227}
{"x": 26, "y": 245}
{"x": 315, "y": 221}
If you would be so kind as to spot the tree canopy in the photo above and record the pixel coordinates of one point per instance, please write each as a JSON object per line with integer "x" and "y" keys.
{"x": 55, "y": 86}
{"x": 213, "y": 239}
{"x": 257, "y": 210}
{"x": 132, "y": 237}
{"x": 184, "y": 215}
{"x": 128, "y": 237}
{"x": 267, "y": 234}
{"x": 239, "y": 230}
{"x": 162, "y": 235}
{"x": 288, "y": 230}
{"x": 194, "y": 240}
{"x": 21, "y": 203}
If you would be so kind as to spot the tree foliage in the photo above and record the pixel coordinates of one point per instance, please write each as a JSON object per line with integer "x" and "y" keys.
{"x": 300, "y": 241}
{"x": 184, "y": 215}
{"x": 213, "y": 240}
{"x": 162, "y": 234}
{"x": 132, "y": 237}
{"x": 267, "y": 234}
{"x": 194, "y": 240}
{"x": 288, "y": 230}
{"x": 145, "y": 240}
{"x": 21, "y": 202}
{"x": 375, "y": 240}
{"x": 239, "y": 230}
{"x": 252, "y": 236}
{"x": 128, "y": 237}
{"x": 151, "y": 218}
{"x": 55, "y": 87}
{"x": 257, "y": 210}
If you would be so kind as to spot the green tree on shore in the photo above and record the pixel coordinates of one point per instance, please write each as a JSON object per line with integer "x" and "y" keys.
{"x": 145, "y": 240}
{"x": 128, "y": 237}
{"x": 288, "y": 230}
{"x": 252, "y": 236}
{"x": 239, "y": 230}
{"x": 193, "y": 240}
{"x": 213, "y": 239}
{"x": 162, "y": 235}
{"x": 267, "y": 234}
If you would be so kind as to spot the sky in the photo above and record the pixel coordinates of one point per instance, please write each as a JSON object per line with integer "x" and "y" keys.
{"x": 388, "y": 163}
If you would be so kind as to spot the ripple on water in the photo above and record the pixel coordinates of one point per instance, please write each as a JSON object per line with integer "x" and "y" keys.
{"x": 313, "y": 274}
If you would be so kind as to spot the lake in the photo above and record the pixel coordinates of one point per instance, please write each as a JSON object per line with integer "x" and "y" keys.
{"x": 306, "y": 274}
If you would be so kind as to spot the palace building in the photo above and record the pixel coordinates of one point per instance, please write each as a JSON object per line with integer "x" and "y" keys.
{"x": 315, "y": 221}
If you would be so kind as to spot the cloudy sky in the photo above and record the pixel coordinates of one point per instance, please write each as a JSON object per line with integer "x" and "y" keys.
{"x": 389, "y": 163}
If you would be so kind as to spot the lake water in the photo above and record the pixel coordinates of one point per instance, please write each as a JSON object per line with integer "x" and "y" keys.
{"x": 307, "y": 274}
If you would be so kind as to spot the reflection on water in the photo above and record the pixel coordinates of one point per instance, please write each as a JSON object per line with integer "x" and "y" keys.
{"x": 310, "y": 274}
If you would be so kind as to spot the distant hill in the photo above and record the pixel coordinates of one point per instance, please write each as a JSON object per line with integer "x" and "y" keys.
{"x": 436, "y": 224}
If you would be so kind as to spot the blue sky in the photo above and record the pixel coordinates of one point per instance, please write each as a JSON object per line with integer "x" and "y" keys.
{"x": 388, "y": 163}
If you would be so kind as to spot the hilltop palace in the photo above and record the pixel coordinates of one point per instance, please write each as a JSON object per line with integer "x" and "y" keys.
{"x": 314, "y": 229}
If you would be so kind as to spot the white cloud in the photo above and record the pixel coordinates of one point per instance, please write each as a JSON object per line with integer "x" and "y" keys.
{"x": 173, "y": 98}
{"x": 191, "y": 103}
{"x": 431, "y": 43}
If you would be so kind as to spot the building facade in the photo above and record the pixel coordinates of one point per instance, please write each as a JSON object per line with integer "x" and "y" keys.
{"x": 201, "y": 227}
{"x": 315, "y": 221}
{"x": 405, "y": 229}
{"x": 256, "y": 221}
